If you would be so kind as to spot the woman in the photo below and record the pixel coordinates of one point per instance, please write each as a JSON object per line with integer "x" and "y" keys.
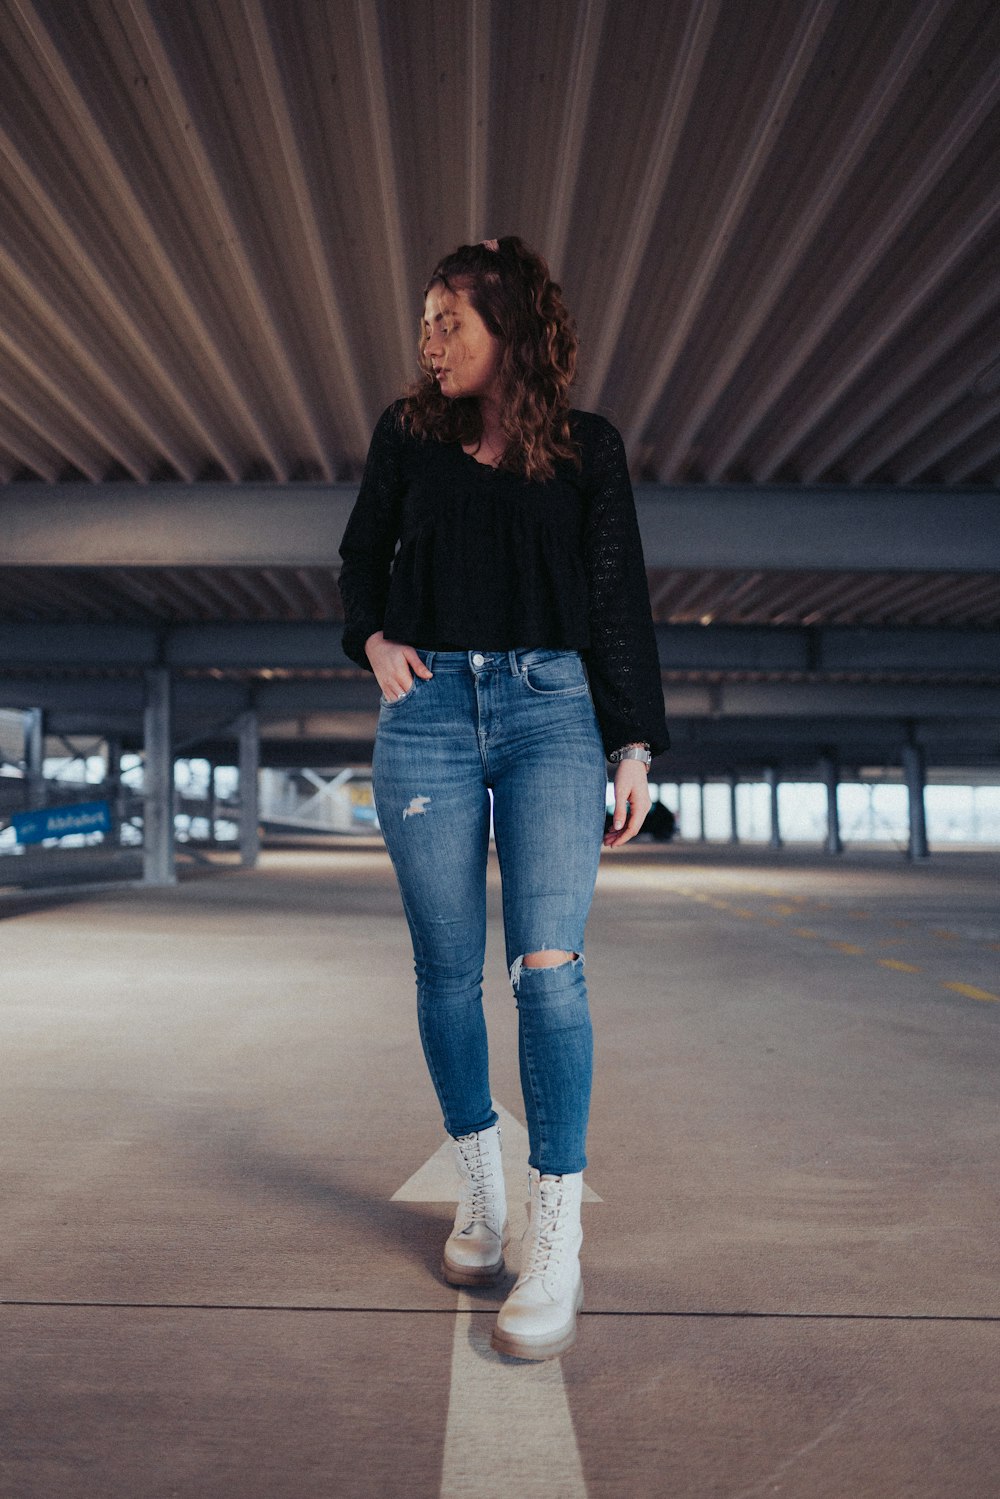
{"x": 519, "y": 564}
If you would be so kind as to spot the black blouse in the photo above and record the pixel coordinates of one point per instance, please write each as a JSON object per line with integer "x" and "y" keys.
{"x": 488, "y": 560}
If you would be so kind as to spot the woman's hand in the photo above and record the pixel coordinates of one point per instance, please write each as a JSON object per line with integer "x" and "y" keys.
{"x": 632, "y": 801}
{"x": 394, "y": 665}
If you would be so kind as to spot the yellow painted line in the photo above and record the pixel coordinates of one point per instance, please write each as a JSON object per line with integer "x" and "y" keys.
{"x": 895, "y": 963}
{"x": 772, "y": 921}
{"x": 944, "y": 934}
{"x": 900, "y": 921}
{"x": 993, "y": 946}
{"x": 804, "y": 931}
{"x": 786, "y": 910}
{"x": 971, "y": 992}
{"x": 850, "y": 947}
{"x": 823, "y": 905}
{"x": 742, "y": 911}
{"x": 862, "y": 915}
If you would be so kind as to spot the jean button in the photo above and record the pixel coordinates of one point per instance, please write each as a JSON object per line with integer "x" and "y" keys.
{"x": 478, "y": 660}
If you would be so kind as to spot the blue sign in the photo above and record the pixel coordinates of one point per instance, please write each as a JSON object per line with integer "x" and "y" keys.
{"x": 59, "y": 822}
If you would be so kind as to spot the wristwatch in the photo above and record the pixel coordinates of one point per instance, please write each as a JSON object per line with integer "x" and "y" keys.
{"x": 631, "y": 752}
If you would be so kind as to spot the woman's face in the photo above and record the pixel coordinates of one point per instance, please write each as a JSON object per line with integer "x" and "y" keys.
{"x": 458, "y": 345}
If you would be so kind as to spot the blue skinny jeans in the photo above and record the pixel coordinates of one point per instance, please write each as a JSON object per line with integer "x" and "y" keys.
{"x": 522, "y": 724}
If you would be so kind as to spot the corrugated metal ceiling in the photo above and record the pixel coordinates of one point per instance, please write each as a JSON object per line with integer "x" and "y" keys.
{"x": 778, "y": 223}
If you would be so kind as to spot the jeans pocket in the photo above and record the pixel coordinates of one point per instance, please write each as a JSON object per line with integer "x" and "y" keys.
{"x": 404, "y": 697}
{"x": 559, "y": 675}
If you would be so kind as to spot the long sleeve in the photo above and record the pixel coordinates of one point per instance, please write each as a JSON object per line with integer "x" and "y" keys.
{"x": 370, "y": 537}
{"x": 622, "y": 661}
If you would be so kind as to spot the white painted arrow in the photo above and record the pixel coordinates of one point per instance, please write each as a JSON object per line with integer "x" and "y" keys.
{"x": 509, "y": 1428}
{"x": 437, "y": 1179}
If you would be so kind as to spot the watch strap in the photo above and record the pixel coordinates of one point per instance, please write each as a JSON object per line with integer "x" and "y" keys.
{"x": 631, "y": 752}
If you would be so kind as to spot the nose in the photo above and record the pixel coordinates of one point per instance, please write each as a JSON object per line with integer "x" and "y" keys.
{"x": 434, "y": 347}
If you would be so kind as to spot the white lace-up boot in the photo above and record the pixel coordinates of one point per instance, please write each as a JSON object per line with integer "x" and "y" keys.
{"x": 473, "y": 1255}
{"x": 538, "y": 1319}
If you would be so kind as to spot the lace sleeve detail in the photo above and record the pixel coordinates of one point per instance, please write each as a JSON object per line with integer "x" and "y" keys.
{"x": 622, "y": 661}
{"x": 370, "y": 537}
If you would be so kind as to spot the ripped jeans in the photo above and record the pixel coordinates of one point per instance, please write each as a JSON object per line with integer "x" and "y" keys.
{"x": 522, "y": 724}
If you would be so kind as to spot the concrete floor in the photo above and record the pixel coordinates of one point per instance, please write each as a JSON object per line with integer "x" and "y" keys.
{"x": 224, "y": 1192}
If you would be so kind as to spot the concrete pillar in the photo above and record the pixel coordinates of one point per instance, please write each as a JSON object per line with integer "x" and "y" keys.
{"x": 831, "y": 775}
{"x": 701, "y": 809}
{"x": 213, "y": 802}
{"x": 914, "y": 769}
{"x": 771, "y": 776}
{"x": 734, "y": 828}
{"x": 248, "y": 728}
{"x": 113, "y": 786}
{"x": 158, "y": 777}
{"x": 34, "y": 750}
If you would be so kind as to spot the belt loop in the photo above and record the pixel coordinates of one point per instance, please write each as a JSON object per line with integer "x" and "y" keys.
{"x": 429, "y": 661}
{"x": 515, "y": 670}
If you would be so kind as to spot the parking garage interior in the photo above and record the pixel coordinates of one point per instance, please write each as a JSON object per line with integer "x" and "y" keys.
{"x": 226, "y": 1182}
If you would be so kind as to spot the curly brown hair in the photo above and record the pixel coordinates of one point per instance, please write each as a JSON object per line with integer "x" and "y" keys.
{"x": 522, "y": 307}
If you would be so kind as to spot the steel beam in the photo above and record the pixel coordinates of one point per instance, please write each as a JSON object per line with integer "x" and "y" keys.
{"x": 830, "y": 649}
{"x": 310, "y": 645}
{"x": 747, "y": 725}
{"x": 854, "y": 700}
{"x": 77, "y": 643}
{"x": 868, "y": 528}
{"x": 304, "y": 645}
{"x": 860, "y": 649}
{"x": 100, "y": 708}
{"x": 818, "y": 528}
{"x": 276, "y": 699}
{"x": 799, "y": 763}
{"x": 174, "y": 525}
{"x": 751, "y": 739}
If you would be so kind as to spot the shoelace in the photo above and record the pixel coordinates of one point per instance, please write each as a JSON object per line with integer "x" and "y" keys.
{"x": 549, "y": 1241}
{"x": 478, "y": 1192}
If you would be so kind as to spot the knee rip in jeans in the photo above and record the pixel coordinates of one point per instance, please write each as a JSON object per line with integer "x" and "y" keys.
{"x": 551, "y": 957}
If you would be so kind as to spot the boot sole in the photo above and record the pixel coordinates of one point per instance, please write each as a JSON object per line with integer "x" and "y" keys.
{"x": 477, "y": 1275}
{"x": 536, "y": 1349}
{"x": 467, "y": 1275}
